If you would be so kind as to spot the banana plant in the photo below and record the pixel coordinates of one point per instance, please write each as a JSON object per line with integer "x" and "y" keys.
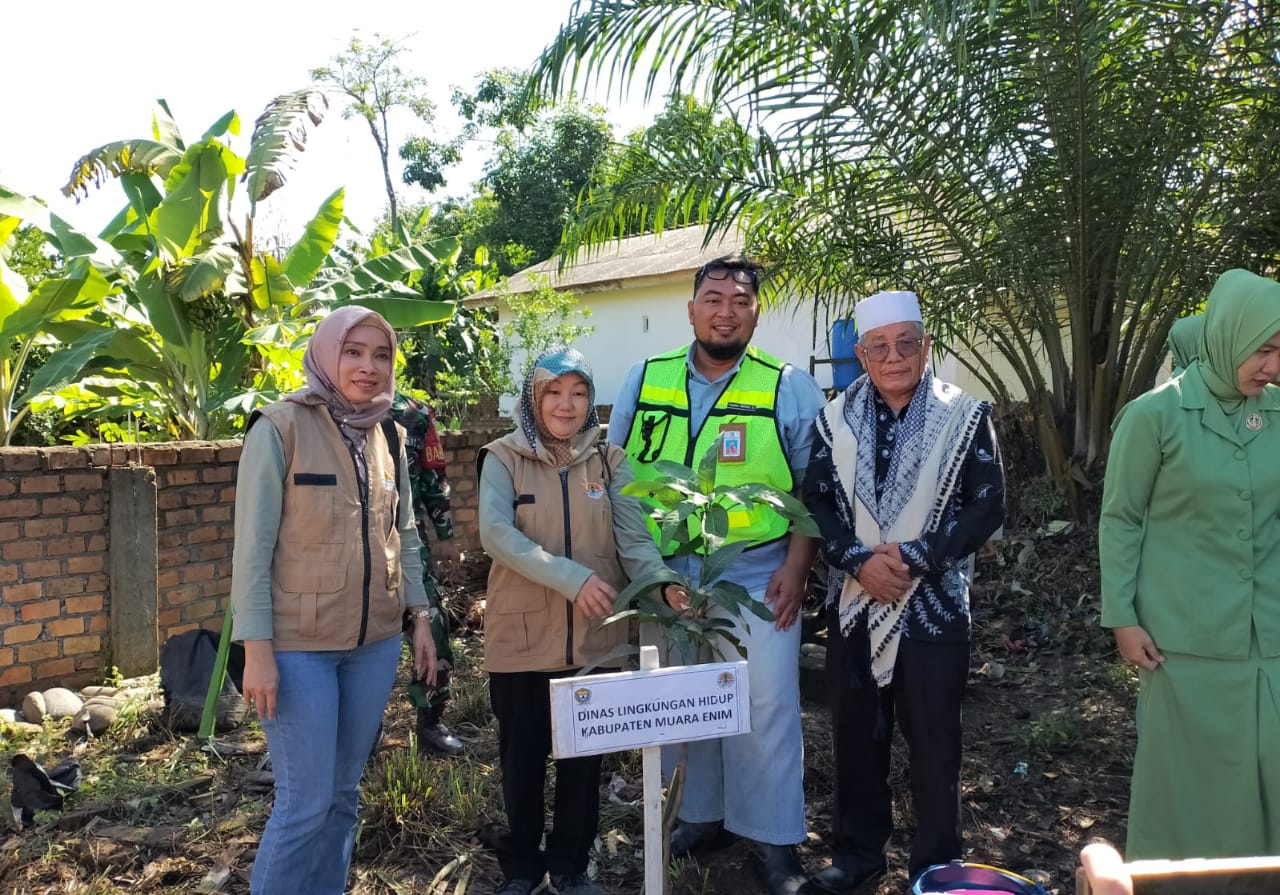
{"x": 206, "y": 310}
{"x": 691, "y": 513}
{"x": 30, "y": 317}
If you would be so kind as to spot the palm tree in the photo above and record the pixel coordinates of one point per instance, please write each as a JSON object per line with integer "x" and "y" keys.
{"x": 1060, "y": 181}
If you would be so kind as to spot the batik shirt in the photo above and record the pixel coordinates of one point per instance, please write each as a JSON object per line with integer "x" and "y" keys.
{"x": 939, "y": 608}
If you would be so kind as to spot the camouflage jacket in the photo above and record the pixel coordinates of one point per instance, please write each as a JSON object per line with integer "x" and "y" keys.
{"x": 427, "y": 480}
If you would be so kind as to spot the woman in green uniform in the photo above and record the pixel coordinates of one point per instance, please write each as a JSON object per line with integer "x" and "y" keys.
{"x": 1189, "y": 541}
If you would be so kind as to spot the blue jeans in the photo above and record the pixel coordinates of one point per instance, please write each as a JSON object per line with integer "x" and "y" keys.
{"x": 328, "y": 708}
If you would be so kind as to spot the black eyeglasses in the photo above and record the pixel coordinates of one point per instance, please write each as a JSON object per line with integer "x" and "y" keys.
{"x": 906, "y": 348}
{"x": 744, "y": 275}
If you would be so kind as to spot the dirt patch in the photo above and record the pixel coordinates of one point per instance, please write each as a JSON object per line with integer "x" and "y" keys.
{"x": 1048, "y": 744}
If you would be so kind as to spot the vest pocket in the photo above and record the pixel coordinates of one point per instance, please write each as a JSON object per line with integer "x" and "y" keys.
{"x": 302, "y": 577}
{"x": 315, "y": 511}
{"x": 519, "y": 619}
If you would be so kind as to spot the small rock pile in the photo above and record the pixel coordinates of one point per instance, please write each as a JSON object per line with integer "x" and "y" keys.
{"x": 92, "y": 710}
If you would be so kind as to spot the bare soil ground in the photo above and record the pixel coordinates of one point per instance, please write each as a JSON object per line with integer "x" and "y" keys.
{"x": 1048, "y": 739}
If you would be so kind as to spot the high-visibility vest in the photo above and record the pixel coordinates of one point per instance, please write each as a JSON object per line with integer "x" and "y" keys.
{"x": 745, "y": 412}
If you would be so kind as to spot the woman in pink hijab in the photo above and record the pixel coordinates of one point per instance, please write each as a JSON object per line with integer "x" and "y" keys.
{"x": 326, "y": 568}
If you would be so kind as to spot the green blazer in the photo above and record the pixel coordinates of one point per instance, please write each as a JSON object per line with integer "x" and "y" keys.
{"x": 1189, "y": 538}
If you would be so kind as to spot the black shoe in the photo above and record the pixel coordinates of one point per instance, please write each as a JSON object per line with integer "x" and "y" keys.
{"x": 436, "y": 739}
{"x": 518, "y": 886}
{"x": 839, "y": 882}
{"x": 780, "y": 869}
{"x": 698, "y": 838}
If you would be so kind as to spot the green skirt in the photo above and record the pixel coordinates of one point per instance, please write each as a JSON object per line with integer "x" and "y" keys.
{"x": 1206, "y": 775}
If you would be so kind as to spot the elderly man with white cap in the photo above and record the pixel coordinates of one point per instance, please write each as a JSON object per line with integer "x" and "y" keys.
{"x": 905, "y": 483}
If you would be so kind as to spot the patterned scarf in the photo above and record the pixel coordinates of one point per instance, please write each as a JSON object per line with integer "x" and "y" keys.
{"x": 929, "y": 450}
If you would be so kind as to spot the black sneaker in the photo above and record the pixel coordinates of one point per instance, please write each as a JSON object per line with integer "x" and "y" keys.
{"x": 519, "y": 886}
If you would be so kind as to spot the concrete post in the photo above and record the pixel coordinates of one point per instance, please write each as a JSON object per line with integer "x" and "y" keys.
{"x": 135, "y": 648}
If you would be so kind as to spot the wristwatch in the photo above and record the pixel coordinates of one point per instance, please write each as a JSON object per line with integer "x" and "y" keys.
{"x": 420, "y": 612}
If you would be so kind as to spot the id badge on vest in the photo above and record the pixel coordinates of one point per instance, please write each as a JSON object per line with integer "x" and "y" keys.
{"x": 733, "y": 443}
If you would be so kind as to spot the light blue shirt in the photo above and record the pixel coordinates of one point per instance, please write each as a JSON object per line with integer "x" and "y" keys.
{"x": 800, "y": 400}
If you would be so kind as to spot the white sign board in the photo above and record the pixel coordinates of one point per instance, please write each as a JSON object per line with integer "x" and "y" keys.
{"x": 635, "y": 709}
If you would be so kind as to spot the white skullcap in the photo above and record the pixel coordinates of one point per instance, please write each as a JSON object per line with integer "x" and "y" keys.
{"x": 886, "y": 308}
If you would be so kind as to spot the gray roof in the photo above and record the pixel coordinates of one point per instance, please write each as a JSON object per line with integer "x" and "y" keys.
{"x": 606, "y": 266}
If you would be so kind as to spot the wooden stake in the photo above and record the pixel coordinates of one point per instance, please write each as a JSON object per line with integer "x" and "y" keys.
{"x": 655, "y": 870}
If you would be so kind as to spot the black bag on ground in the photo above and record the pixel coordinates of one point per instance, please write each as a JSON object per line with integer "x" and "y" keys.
{"x": 186, "y": 665}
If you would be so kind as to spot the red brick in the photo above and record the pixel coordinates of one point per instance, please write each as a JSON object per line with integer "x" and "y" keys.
{"x": 44, "y": 527}
{"x": 6, "y": 657}
{"x": 201, "y": 572}
{"x": 14, "y": 675}
{"x": 196, "y": 497}
{"x": 91, "y": 662}
{"x": 23, "y": 593}
{"x": 169, "y": 578}
{"x": 170, "y": 538}
{"x": 162, "y": 455}
{"x": 227, "y": 531}
{"x": 181, "y": 596}
{"x": 175, "y": 556}
{"x": 202, "y": 535}
{"x": 22, "y": 633}
{"x": 230, "y": 454}
{"x": 7, "y": 616}
{"x": 218, "y": 587}
{"x": 181, "y": 517}
{"x": 64, "y": 545}
{"x": 89, "y": 643}
{"x": 38, "y": 652}
{"x": 60, "y": 506}
{"x": 8, "y": 487}
{"x": 98, "y": 624}
{"x": 218, "y": 474}
{"x": 83, "y": 481}
{"x": 65, "y": 627}
{"x": 179, "y": 629}
{"x": 169, "y": 500}
{"x": 47, "y": 671}
{"x": 42, "y": 609}
{"x": 86, "y": 523}
{"x": 8, "y": 572}
{"x": 41, "y": 568}
{"x": 20, "y": 459}
{"x": 68, "y": 458}
{"x": 65, "y": 586}
{"x": 42, "y": 484}
{"x": 85, "y": 564}
{"x": 211, "y": 514}
{"x": 173, "y": 478}
{"x": 95, "y": 584}
{"x": 10, "y": 531}
{"x": 17, "y": 509}
{"x": 96, "y": 544}
{"x": 167, "y": 617}
{"x": 78, "y": 605}
{"x": 220, "y": 550}
{"x": 202, "y": 610}
{"x": 23, "y": 550}
{"x": 95, "y": 503}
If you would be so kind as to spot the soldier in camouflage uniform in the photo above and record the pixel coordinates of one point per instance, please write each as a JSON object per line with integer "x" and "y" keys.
{"x": 430, "y": 501}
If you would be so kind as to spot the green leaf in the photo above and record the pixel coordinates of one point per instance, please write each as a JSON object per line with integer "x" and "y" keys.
{"x": 193, "y": 190}
{"x": 707, "y": 466}
{"x": 270, "y": 285}
{"x": 69, "y": 241}
{"x": 719, "y": 562}
{"x": 164, "y": 311}
{"x": 65, "y": 364}
{"x": 209, "y": 272}
{"x": 673, "y": 523}
{"x": 644, "y": 585}
{"x": 308, "y": 254}
{"x": 279, "y": 136}
{"x": 66, "y": 297}
{"x": 146, "y": 157}
{"x": 677, "y": 472}
{"x": 407, "y": 313}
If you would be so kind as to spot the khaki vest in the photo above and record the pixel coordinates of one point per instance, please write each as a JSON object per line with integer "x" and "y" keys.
{"x": 662, "y": 429}
{"x": 335, "y": 572}
{"x": 529, "y": 627}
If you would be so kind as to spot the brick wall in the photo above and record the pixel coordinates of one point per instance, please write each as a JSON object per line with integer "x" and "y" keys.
{"x": 56, "y": 613}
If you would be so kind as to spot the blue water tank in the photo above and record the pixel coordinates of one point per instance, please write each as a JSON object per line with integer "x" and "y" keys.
{"x": 844, "y": 335}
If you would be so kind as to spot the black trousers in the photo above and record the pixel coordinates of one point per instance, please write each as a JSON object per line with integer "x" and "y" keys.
{"x": 924, "y": 697}
{"x": 522, "y": 704}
